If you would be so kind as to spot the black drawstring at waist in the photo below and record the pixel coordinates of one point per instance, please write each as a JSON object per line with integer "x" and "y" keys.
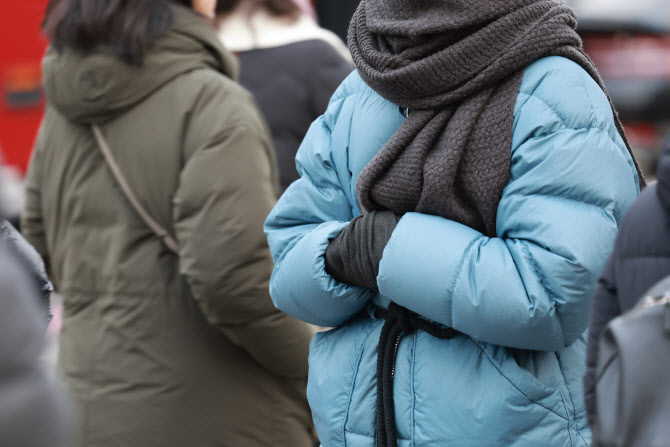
{"x": 399, "y": 322}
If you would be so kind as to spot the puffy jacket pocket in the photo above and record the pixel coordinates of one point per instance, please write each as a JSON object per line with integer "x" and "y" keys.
{"x": 523, "y": 380}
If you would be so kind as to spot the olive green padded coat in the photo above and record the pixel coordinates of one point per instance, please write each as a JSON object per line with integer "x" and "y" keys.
{"x": 160, "y": 349}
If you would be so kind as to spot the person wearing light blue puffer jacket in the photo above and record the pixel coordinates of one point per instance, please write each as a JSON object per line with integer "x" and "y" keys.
{"x": 454, "y": 224}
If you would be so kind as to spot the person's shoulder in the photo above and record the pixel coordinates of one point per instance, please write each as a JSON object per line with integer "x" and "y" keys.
{"x": 561, "y": 91}
{"x": 354, "y": 86}
{"x": 212, "y": 82}
{"x": 334, "y": 41}
{"x": 316, "y": 55}
{"x": 564, "y": 128}
{"x": 214, "y": 107}
{"x": 355, "y": 105}
{"x": 228, "y": 102}
{"x": 317, "y": 48}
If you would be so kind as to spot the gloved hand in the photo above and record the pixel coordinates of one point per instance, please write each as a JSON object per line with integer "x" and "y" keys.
{"x": 354, "y": 255}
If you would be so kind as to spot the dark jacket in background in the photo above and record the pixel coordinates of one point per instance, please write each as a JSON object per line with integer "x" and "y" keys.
{"x": 292, "y": 85}
{"x": 32, "y": 409}
{"x": 640, "y": 259}
{"x": 162, "y": 349}
{"x": 335, "y": 15}
{"x": 30, "y": 260}
{"x": 292, "y": 67}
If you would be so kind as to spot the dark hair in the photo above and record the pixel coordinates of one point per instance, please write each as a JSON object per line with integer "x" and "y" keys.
{"x": 274, "y": 7}
{"x": 126, "y": 27}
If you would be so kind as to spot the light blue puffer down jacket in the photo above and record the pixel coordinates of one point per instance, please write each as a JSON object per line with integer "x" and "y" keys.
{"x": 522, "y": 299}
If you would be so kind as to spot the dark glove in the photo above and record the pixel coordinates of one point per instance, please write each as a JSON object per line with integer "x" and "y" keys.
{"x": 353, "y": 257}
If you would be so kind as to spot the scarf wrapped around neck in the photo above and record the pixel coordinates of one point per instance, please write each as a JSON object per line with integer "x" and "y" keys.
{"x": 457, "y": 66}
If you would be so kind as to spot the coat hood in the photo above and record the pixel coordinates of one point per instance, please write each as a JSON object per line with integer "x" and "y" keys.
{"x": 94, "y": 88}
{"x": 663, "y": 175}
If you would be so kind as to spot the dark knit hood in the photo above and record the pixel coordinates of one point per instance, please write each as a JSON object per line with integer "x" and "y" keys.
{"x": 663, "y": 174}
{"x": 98, "y": 87}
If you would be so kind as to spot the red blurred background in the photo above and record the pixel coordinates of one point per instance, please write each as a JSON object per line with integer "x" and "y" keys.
{"x": 21, "y": 101}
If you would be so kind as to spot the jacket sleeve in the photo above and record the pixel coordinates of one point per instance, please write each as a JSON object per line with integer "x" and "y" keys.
{"x": 226, "y": 189}
{"x": 32, "y": 225}
{"x": 571, "y": 181}
{"x": 313, "y": 210}
{"x": 604, "y": 309}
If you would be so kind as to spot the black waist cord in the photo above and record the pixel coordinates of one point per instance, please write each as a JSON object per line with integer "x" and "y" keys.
{"x": 399, "y": 322}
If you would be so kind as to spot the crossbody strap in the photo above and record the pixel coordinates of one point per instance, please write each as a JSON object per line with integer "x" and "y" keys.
{"x": 161, "y": 232}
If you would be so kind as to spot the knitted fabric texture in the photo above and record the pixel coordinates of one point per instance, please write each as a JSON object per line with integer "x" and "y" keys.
{"x": 458, "y": 67}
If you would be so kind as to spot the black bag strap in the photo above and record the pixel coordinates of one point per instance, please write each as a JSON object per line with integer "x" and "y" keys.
{"x": 161, "y": 232}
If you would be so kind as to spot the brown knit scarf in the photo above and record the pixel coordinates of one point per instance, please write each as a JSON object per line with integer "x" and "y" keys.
{"x": 457, "y": 65}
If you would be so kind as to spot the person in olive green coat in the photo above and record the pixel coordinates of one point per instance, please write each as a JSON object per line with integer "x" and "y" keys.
{"x": 162, "y": 349}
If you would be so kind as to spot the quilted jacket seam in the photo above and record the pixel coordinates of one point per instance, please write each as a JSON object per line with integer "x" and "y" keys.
{"x": 593, "y": 112}
{"x": 450, "y": 302}
{"x": 569, "y": 428}
{"x": 323, "y": 187}
{"x": 371, "y": 93}
{"x": 573, "y": 411}
{"x": 565, "y": 126}
{"x": 573, "y": 201}
{"x": 543, "y": 281}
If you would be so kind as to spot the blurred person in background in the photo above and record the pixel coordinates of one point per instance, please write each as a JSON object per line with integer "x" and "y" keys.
{"x": 456, "y": 203}
{"x": 26, "y": 254}
{"x": 32, "y": 407}
{"x": 161, "y": 348}
{"x": 20, "y": 249}
{"x": 641, "y": 258}
{"x": 336, "y": 14}
{"x": 290, "y": 65}
{"x": 33, "y": 411}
